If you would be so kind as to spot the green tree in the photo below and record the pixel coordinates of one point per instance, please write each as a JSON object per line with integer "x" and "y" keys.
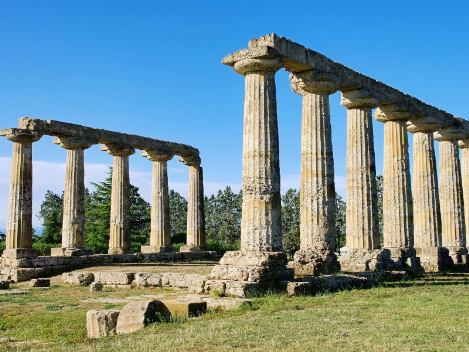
{"x": 97, "y": 215}
{"x": 177, "y": 215}
{"x": 291, "y": 221}
{"x": 379, "y": 192}
{"x": 223, "y": 216}
{"x": 340, "y": 217}
{"x": 51, "y": 214}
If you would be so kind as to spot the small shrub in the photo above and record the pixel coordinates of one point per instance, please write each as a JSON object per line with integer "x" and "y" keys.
{"x": 44, "y": 248}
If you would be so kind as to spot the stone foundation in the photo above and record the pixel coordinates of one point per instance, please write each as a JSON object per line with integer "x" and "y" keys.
{"x": 70, "y": 252}
{"x": 458, "y": 255}
{"x": 359, "y": 260}
{"x": 156, "y": 249}
{"x": 314, "y": 262}
{"x": 16, "y": 266}
{"x": 434, "y": 259}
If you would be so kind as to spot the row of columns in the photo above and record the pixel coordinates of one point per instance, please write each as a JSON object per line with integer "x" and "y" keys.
{"x": 408, "y": 220}
{"x": 19, "y": 223}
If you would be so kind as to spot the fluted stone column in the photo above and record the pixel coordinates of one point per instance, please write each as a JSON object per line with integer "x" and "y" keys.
{"x": 19, "y": 221}
{"x": 260, "y": 257}
{"x": 398, "y": 230}
{"x": 119, "y": 235}
{"x": 260, "y": 223}
{"x": 362, "y": 215}
{"x": 451, "y": 198}
{"x": 73, "y": 223}
{"x": 464, "y": 144}
{"x": 195, "y": 207}
{"x": 317, "y": 187}
{"x": 160, "y": 235}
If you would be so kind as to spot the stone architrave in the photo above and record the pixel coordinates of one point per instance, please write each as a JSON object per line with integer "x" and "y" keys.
{"x": 73, "y": 223}
{"x": 119, "y": 236}
{"x": 160, "y": 233}
{"x": 195, "y": 206}
{"x": 398, "y": 234}
{"x": 19, "y": 221}
{"x": 453, "y": 227}
{"x": 317, "y": 187}
{"x": 362, "y": 214}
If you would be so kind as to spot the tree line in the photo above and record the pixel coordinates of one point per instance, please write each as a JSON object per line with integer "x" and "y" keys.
{"x": 222, "y": 219}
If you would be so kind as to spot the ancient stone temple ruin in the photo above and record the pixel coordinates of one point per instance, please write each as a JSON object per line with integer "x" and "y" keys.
{"x": 424, "y": 224}
{"x": 20, "y": 262}
{"x": 424, "y": 219}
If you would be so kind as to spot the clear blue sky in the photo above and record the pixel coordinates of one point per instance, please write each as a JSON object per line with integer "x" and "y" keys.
{"x": 153, "y": 68}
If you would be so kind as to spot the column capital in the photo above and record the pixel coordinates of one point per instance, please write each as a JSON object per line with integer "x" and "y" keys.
{"x": 118, "y": 149}
{"x": 423, "y": 124}
{"x": 22, "y": 136}
{"x": 155, "y": 155}
{"x": 391, "y": 112}
{"x": 358, "y": 98}
{"x": 258, "y": 65}
{"x": 75, "y": 142}
{"x": 190, "y": 160}
{"x": 307, "y": 82}
{"x": 453, "y": 132}
{"x": 464, "y": 143}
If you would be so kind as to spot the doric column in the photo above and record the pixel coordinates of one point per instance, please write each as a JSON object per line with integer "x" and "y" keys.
{"x": 397, "y": 191}
{"x": 160, "y": 235}
{"x": 195, "y": 206}
{"x": 464, "y": 144}
{"x": 119, "y": 234}
{"x": 426, "y": 205}
{"x": 451, "y": 196}
{"x": 317, "y": 187}
{"x": 73, "y": 223}
{"x": 19, "y": 221}
{"x": 362, "y": 215}
{"x": 260, "y": 224}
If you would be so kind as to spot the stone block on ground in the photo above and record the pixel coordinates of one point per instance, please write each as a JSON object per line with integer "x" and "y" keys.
{"x": 359, "y": 260}
{"x": 311, "y": 262}
{"x": 77, "y": 278}
{"x": 242, "y": 289}
{"x": 180, "y": 280}
{"x": 96, "y": 287}
{"x": 101, "y": 323}
{"x": 219, "y": 302}
{"x": 42, "y": 282}
{"x": 215, "y": 287}
{"x": 251, "y": 273}
{"x": 147, "y": 279}
{"x": 185, "y": 307}
{"x": 4, "y": 285}
{"x": 138, "y": 314}
{"x": 114, "y": 277}
{"x": 312, "y": 286}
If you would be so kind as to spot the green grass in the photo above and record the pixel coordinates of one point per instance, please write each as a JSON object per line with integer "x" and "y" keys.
{"x": 422, "y": 315}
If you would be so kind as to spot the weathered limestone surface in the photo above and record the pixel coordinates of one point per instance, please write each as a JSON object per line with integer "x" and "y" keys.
{"x": 185, "y": 307}
{"x": 100, "y": 323}
{"x": 427, "y": 221}
{"x": 114, "y": 277}
{"x": 317, "y": 187}
{"x": 77, "y": 278}
{"x": 362, "y": 215}
{"x": 160, "y": 235}
{"x": 260, "y": 224}
{"x": 19, "y": 220}
{"x": 119, "y": 239}
{"x": 195, "y": 240}
{"x": 96, "y": 287}
{"x": 139, "y": 314}
{"x": 451, "y": 198}
{"x": 42, "y": 282}
{"x": 465, "y": 179}
{"x": 397, "y": 192}
{"x": 73, "y": 224}
{"x": 147, "y": 279}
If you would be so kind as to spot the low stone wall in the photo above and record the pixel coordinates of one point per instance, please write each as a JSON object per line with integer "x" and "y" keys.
{"x": 23, "y": 269}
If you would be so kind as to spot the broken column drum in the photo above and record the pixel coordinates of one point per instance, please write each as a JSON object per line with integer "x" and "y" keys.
{"x": 119, "y": 236}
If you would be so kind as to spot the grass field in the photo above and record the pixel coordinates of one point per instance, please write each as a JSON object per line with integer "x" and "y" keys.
{"x": 428, "y": 314}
